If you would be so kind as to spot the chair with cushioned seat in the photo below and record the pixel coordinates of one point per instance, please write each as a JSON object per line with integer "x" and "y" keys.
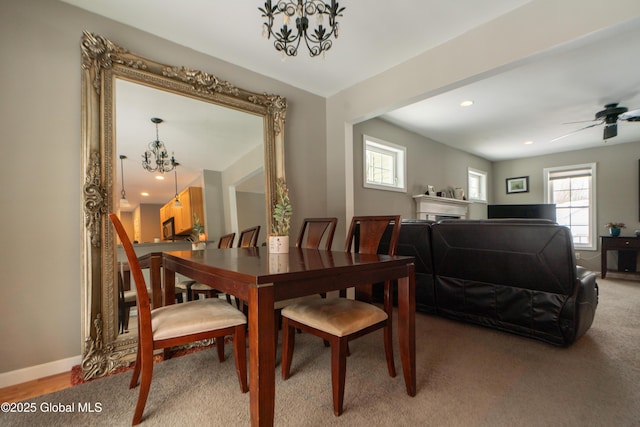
{"x": 311, "y": 235}
{"x": 196, "y": 289}
{"x": 339, "y": 320}
{"x": 126, "y": 300}
{"x": 179, "y": 324}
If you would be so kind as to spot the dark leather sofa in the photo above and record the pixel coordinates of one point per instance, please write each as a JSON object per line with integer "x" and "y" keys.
{"x": 518, "y": 276}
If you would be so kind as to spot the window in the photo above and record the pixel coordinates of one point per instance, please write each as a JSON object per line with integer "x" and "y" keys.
{"x": 572, "y": 189}
{"x": 477, "y": 185}
{"x": 384, "y": 165}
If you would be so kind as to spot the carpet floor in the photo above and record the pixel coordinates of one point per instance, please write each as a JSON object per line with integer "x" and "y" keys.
{"x": 467, "y": 376}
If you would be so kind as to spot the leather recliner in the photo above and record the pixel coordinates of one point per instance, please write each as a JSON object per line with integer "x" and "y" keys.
{"x": 518, "y": 276}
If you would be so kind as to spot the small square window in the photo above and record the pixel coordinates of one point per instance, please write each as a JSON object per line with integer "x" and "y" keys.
{"x": 477, "y": 185}
{"x": 384, "y": 165}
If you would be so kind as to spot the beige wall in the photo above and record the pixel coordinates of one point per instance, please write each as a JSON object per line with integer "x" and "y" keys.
{"x": 428, "y": 163}
{"x": 40, "y": 113}
{"x": 616, "y": 186}
{"x": 497, "y": 45}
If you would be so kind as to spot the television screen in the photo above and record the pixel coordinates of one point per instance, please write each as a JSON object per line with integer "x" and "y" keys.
{"x": 544, "y": 211}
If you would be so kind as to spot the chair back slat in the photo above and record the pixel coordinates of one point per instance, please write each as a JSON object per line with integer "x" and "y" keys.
{"x": 371, "y": 230}
{"x": 226, "y": 241}
{"x": 249, "y": 237}
{"x": 142, "y": 300}
{"x": 314, "y": 229}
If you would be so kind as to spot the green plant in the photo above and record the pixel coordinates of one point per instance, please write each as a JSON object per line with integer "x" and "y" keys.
{"x": 196, "y": 230}
{"x": 615, "y": 225}
{"x": 282, "y": 210}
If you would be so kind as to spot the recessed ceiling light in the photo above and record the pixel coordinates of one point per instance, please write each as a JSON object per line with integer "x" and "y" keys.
{"x": 159, "y": 177}
{"x": 466, "y": 103}
{"x": 144, "y": 194}
{"x": 528, "y": 142}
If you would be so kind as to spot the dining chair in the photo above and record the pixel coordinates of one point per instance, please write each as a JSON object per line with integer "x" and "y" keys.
{"x": 178, "y": 324}
{"x": 197, "y": 289}
{"x": 249, "y": 237}
{"x": 126, "y": 299}
{"x": 339, "y": 320}
{"x": 311, "y": 235}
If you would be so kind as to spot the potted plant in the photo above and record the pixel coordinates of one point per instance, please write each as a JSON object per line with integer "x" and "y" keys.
{"x": 197, "y": 237}
{"x": 281, "y": 222}
{"x": 614, "y": 227}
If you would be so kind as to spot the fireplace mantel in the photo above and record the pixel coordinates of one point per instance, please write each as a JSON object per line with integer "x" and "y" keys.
{"x": 436, "y": 208}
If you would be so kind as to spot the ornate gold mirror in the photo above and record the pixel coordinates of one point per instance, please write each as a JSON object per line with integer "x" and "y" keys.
{"x": 105, "y": 66}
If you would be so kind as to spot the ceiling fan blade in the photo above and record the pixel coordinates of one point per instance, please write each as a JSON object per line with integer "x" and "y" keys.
{"x": 576, "y": 131}
{"x": 630, "y": 116}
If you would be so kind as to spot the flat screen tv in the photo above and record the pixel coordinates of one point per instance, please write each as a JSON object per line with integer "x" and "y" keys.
{"x": 544, "y": 211}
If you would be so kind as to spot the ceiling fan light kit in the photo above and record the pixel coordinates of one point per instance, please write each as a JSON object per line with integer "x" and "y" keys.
{"x": 609, "y": 117}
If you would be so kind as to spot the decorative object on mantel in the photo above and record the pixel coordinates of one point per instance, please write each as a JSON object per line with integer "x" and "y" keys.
{"x": 156, "y": 158}
{"x": 282, "y": 210}
{"x": 431, "y": 191}
{"x": 458, "y": 193}
{"x": 287, "y": 39}
{"x": 197, "y": 237}
{"x": 519, "y": 184}
{"x": 615, "y": 227}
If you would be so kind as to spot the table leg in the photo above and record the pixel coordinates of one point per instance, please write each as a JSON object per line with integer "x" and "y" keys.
{"x": 169, "y": 286}
{"x": 407, "y": 328}
{"x": 262, "y": 366}
{"x": 156, "y": 282}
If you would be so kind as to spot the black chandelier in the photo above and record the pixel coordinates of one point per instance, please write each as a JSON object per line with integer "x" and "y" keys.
{"x": 287, "y": 39}
{"x": 156, "y": 158}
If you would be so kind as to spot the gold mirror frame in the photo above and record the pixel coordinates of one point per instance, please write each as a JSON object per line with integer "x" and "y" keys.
{"x": 102, "y": 62}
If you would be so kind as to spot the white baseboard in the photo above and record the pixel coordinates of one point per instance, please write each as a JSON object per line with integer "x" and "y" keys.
{"x": 39, "y": 371}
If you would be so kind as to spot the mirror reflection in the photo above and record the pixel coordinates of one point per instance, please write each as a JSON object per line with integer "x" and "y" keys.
{"x": 215, "y": 157}
{"x": 219, "y": 150}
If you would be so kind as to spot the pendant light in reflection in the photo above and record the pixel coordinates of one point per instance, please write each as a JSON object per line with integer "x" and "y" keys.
{"x": 176, "y": 203}
{"x": 124, "y": 203}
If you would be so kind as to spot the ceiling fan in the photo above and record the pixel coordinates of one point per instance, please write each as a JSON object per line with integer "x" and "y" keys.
{"x": 609, "y": 118}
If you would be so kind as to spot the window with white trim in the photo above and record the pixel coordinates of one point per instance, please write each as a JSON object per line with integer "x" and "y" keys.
{"x": 477, "y": 185}
{"x": 572, "y": 189}
{"x": 384, "y": 165}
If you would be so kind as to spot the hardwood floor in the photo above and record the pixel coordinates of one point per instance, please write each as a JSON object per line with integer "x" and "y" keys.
{"x": 34, "y": 388}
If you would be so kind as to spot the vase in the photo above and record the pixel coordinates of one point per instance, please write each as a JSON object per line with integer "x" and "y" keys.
{"x": 615, "y": 232}
{"x": 198, "y": 246}
{"x": 279, "y": 244}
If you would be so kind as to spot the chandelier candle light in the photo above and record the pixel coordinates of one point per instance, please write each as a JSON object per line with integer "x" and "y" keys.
{"x": 156, "y": 158}
{"x": 124, "y": 203}
{"x": 287, "y": 38}
{"x": 176, "y": 202}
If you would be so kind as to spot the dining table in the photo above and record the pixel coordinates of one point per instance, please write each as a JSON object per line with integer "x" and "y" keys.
{"x": 260, "y": 278}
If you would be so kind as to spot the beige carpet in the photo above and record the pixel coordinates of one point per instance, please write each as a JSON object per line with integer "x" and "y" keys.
{"x": 467, "y": 376}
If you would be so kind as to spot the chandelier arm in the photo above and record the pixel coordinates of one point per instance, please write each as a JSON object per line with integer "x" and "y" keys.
{"x": 317, "y": 40}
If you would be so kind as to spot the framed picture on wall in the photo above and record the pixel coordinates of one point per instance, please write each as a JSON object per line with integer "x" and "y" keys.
{"x": 518, "y": 185}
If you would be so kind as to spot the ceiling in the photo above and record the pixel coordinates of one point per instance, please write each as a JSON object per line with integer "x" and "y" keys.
{"x": 532, "y": 101}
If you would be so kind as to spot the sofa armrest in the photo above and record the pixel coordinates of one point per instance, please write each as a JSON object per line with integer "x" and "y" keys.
{"x": 586, "y": 300}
